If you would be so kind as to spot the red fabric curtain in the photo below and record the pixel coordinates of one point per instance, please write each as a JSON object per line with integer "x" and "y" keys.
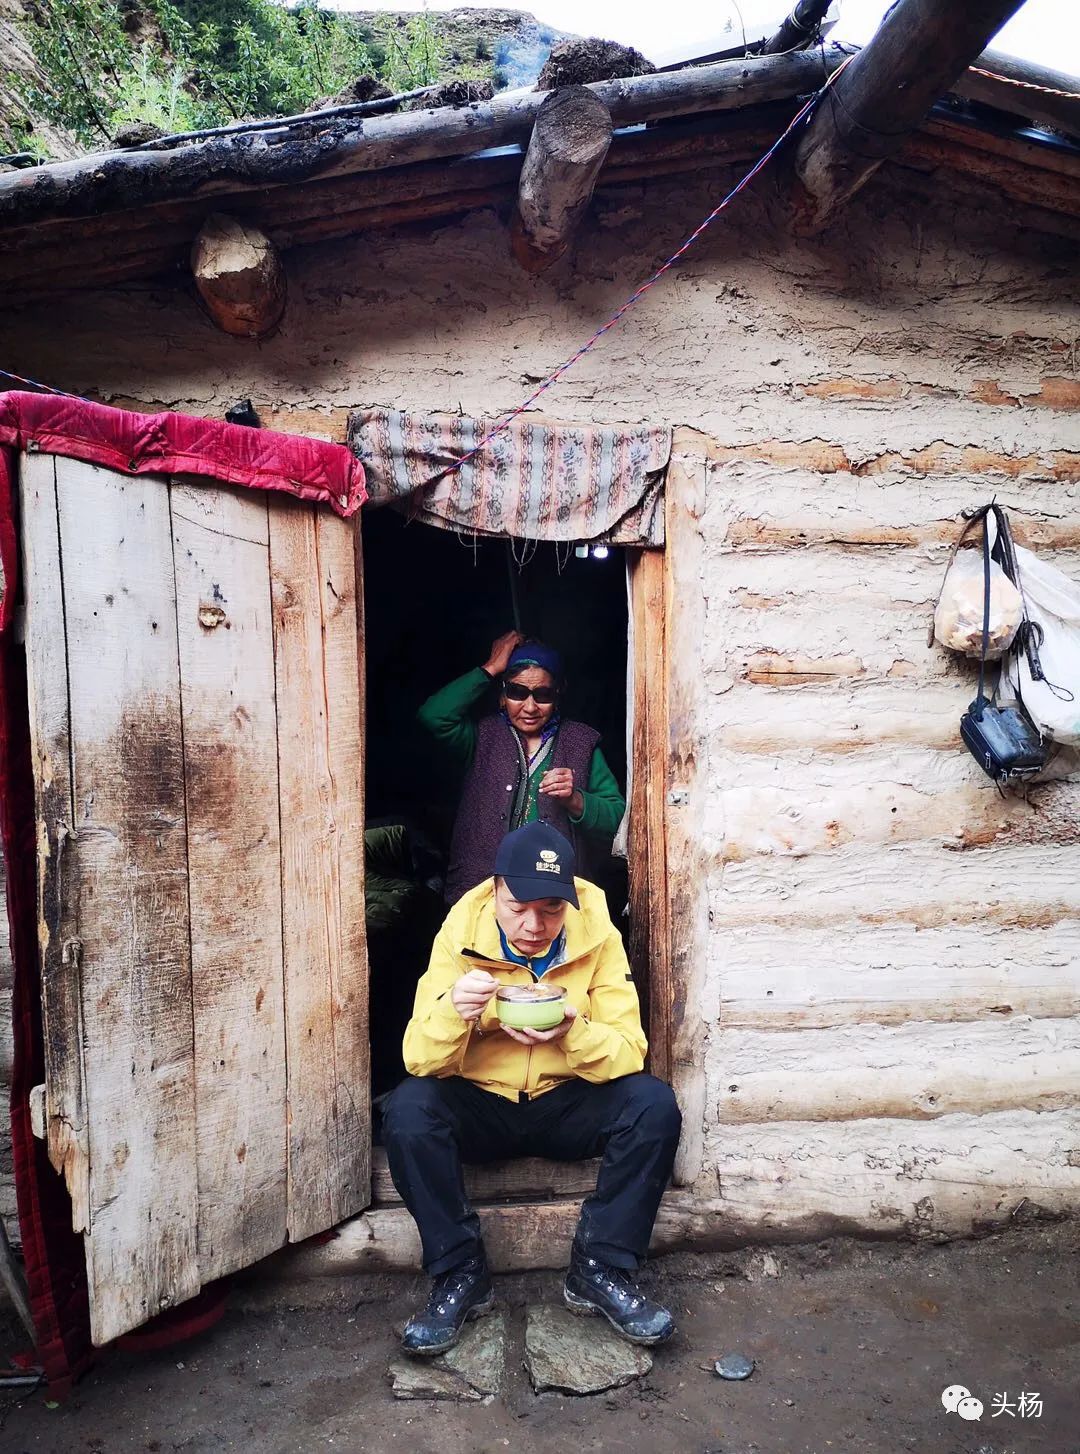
{"x": 178, "y": 444}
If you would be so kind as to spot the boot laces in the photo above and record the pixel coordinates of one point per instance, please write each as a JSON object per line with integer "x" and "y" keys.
{"x": 448, "y": 1287}
{"x": 618, "y": 1282}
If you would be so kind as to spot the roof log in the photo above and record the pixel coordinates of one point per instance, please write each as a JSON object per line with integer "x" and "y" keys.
{"x": 570, "y": 139}
{"x": 81, "y": 224}
{"x": 342, "y": 146}
{"x": 914, "y": 57}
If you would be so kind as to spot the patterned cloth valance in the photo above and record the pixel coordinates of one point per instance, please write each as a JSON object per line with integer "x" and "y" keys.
{"x": 534, "y": 481}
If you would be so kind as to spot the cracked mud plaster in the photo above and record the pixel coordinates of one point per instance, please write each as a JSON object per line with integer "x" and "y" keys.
{"x": 950, "y": 306}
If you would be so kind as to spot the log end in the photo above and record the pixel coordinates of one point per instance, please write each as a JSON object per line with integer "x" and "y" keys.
{"x": 239, "y": 275}
{"x": 573, "y": 127}
{"x": 532, "y": 257}
{"x": 570, "y": 139}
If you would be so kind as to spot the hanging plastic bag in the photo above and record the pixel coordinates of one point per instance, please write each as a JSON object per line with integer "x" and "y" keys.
{"x": 958, "y": 616}
{"x": 1053, "y": 606}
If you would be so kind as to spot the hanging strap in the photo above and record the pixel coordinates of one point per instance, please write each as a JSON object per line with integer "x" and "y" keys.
{"x": 1029, "y": 633}
{"x": 980, "y": 703}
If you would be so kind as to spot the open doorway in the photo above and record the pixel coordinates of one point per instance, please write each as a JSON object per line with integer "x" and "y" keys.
{"x": 433, "y": 605}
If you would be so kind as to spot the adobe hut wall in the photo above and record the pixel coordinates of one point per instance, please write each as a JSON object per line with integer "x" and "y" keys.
{"x": 881, "y": 1025}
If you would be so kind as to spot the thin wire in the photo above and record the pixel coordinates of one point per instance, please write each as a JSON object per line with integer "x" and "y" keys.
{"x": 34, "y": 384}
{"x": 742, "y": 23}
{"x": 1025, "y": 85}
{"x": 506, "y": 420}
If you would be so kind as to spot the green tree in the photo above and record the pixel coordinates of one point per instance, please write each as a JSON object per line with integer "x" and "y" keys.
{"x": 215, "y": 61}
{"x": 413, "y": 53}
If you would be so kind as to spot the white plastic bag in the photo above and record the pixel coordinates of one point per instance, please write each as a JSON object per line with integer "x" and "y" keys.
{"x": 1053, "y": 603}
{"x": 958, "y": 617}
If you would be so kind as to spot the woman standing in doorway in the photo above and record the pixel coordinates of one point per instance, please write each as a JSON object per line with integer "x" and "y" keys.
{"x": 525, "y": 762}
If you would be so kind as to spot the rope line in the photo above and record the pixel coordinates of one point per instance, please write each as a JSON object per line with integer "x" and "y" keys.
{"x": 1025, "y": 85}
{"x": 504, "y": 422}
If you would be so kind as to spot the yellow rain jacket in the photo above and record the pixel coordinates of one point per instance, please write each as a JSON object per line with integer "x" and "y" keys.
{"x": 604, "y": 1042}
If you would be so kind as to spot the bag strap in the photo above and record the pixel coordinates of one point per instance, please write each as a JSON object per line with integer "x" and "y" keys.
{"x": 1029, "y": 633}
{"x": 980, "y": 703}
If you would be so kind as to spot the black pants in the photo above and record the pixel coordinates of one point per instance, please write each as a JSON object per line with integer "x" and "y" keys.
{"x": 431, "y": 1126}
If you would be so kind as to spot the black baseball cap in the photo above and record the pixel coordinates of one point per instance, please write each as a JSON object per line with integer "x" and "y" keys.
{"x": 537, "y": 862}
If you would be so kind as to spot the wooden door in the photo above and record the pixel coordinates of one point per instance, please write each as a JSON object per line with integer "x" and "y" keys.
{"x": 196, "y": 719}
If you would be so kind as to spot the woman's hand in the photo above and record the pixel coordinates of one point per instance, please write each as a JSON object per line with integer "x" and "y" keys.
{"x": 502, "y": 648}
{"x": 540, "y": 1037}
{"x": 471, "y": 993}
{"x": 558, "y": 782}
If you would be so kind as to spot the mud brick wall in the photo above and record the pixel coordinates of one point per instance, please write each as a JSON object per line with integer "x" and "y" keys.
{"x": 881, "y": 1027}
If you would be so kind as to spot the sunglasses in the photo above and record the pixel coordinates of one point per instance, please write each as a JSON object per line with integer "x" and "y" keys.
{"x": 518, "y": 692}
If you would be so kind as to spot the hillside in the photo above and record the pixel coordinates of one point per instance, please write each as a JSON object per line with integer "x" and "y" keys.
{"x": 514, "y": 42}
{"x": 75, "y": 75}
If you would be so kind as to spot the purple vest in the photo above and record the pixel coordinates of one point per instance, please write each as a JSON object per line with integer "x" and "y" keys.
{"x": 483, "y": 816}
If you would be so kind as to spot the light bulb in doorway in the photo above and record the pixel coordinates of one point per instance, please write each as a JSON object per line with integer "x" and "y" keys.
{"x": 599, "y": 552}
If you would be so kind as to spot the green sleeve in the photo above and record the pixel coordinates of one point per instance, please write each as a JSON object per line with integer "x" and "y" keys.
{"x": 447, "y": 714}
{"x": 604, "y": 805}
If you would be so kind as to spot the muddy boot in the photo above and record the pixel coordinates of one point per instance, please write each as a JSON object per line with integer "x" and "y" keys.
{"x": 594, "y": 1287}
{"x": 457, "y": 1296}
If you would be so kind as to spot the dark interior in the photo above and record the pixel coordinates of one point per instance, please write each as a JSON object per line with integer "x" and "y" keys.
{"x": 433, "y": 603}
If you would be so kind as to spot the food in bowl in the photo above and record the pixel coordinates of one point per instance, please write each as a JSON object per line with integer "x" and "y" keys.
{"x": 530, "y": 1007}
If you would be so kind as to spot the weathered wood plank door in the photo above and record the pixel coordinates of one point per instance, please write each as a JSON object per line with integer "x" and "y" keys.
{"x": 196, "y": 708}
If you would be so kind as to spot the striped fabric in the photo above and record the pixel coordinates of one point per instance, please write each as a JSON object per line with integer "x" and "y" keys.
{"x": 535, "y": 481}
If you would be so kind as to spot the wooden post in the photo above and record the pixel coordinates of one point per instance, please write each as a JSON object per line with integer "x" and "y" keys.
{"x": 649, "y": 946}
{"x": 570, "y": 139}
{"x": 798, "y": 30}
{"x": 918, "y": 52}
{"x": 239, "y": 276}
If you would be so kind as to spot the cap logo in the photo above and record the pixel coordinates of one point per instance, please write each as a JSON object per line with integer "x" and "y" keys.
{"x": 549, "y": 861}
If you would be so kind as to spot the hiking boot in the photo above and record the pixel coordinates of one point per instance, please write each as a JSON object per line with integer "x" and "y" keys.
{"x": 463, "y": 1293}
{"x": 594, "y": 1287}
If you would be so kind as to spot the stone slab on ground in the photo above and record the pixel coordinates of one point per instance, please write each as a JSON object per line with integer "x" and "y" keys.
{"x": 471, "y": 1371}
{"x": 579, "y": 1355}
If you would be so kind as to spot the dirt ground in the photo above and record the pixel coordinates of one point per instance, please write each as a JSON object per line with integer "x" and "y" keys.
{"x": 853, "y": 1343}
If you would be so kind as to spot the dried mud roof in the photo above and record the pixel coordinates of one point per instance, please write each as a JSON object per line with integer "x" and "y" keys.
{"x": 133, "y": 213}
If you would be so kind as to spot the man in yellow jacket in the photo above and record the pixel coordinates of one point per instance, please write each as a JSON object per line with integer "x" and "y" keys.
{"x": 480, "y": 1090}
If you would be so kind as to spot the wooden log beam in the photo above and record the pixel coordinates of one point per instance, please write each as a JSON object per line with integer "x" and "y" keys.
{"x": 239, "y": 275}
{"x": 915, "y": 56}
{"x": 92, "y": 185}
{"x": 44, "y": 258}
{"x": 570, "y": 139}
